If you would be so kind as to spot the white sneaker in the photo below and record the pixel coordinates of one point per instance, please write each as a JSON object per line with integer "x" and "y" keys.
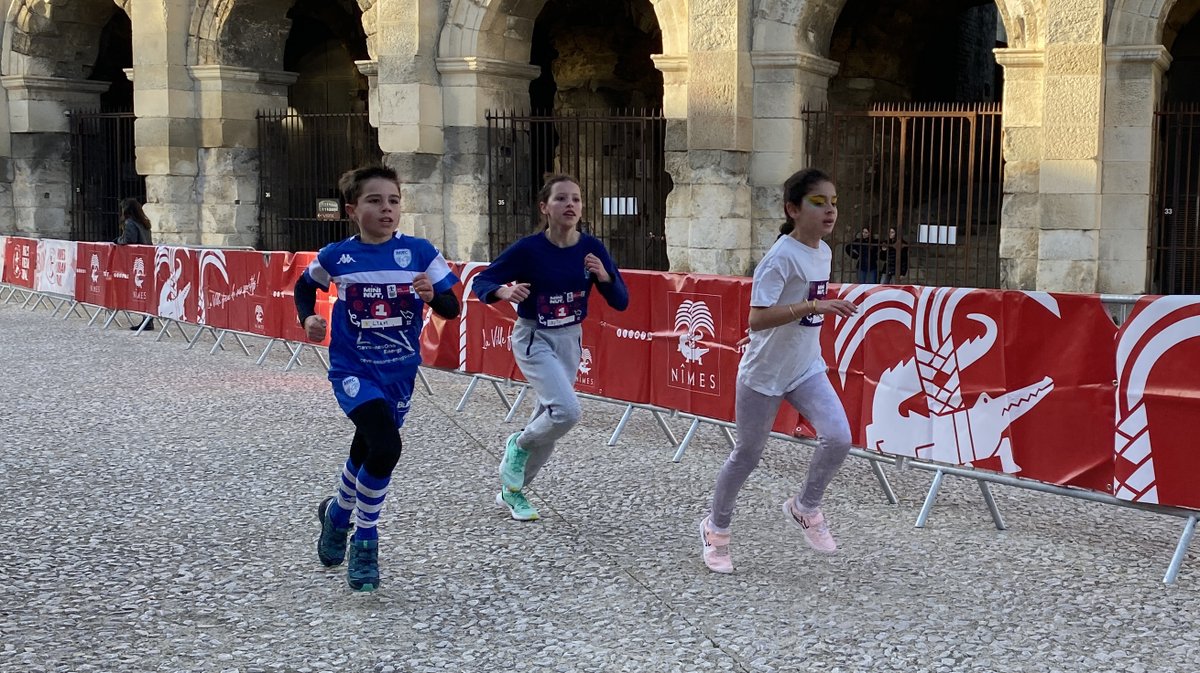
{"x": 715, "y": 547}
{"x": 816, "y": 530}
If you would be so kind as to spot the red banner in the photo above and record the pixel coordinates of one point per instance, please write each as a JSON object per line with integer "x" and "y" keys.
{"x": 20, "y": 262}
{"x": 92, "y": 264}
{"x": 488, "y": 330}
{"x": 1158, "y": 394}
{"x": 440, "y": 339}
{"x": 131, "y": 285}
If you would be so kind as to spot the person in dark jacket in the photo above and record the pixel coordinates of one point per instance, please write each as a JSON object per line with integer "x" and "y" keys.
{"x": 894, "y": 256}
{"x": 135, "y": 230}
{"x": 864, "y": 249}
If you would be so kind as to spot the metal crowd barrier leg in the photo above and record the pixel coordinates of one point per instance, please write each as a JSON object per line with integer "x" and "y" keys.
{"x": 424, "y": 381}
{"x": 1189, "y": 529}
{"x": 217, "y": 344}
{"x": 503, "y": 397}
{"x": 884, "y": 483}
{"x": 612, "y": 441}
{"x": 687, "y": 439}
{"x": 238, "y": 338}
{"x": 462, "y": 403}
{"x": 295, "y": 360}
{"x": 930, "y": 498}
{"x": 986, "y": 489}
{"x": 263, "y": 357}
{"x": 512, "y": 411}
{"x": 662, "y": 423}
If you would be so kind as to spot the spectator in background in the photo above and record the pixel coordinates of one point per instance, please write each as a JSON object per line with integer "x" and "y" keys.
{"x": 135, "y": 230}
{"x": 894, "y": 256}
{"x": 864, "y": 249}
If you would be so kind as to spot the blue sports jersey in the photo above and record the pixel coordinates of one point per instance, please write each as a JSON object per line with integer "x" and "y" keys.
{"x": 558, "y": 283}
{"x": 377, "y": 318}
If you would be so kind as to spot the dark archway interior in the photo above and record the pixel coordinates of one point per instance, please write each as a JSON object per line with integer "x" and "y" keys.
{"x": 919, "y": 51}
{"x": 326, "y": 39}
{"x": 114, "y": 55}
{"x": 1182, "y": 37}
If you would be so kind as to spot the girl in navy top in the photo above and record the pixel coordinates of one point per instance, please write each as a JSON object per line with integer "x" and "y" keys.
{"x": 549, "y": 275}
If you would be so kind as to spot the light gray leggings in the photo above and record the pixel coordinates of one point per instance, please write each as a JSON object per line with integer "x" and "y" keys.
{"x": 816, "y": 400}
{"x": 549, "y": 360}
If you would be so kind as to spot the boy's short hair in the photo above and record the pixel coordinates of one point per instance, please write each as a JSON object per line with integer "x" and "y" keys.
{"x": 351, "y": 182}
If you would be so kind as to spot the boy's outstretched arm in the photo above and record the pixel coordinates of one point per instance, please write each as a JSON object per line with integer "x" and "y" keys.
{"x": 445, "y": 304}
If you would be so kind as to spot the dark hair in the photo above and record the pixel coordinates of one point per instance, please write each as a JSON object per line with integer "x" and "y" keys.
{"x": 131, "y": 209}
{"x": 796, "y": 188}
{"x": 543, "y": 195}
{"x": 351, "y": 182}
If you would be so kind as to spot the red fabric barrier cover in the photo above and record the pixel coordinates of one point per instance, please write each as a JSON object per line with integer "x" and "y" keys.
{"x": 281, "y": 308}
{"x": 20, "y": 261}
{"x": 947, "y": 375}
{"x": 177, "y": 276}
{"x": 440, "y": 338}
{"x": 92, "y": 264}
{"x": 1158, "y": 395}
{"x": 488, "y": 329}
{"x": 235, "y": 288}
{"x": 131, "y": 282}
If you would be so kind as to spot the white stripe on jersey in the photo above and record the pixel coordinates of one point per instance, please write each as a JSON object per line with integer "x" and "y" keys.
{"x": 318, "y": 273}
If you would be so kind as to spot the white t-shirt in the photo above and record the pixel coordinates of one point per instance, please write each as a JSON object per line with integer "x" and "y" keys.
{"x": 781, "y": 358}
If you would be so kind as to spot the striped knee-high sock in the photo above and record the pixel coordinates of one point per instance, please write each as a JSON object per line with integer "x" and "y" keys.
{"x": 371, "y": 491}
{"x": 346, "y": 495}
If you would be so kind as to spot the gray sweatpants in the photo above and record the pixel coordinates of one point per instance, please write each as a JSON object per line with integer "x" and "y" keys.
{"x": 549, "y": 360}
{"x": 816, "y": 400}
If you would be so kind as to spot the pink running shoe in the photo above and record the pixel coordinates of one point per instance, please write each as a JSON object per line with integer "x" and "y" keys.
{"x": 716, "y": 549}
{"x": 816, "y": 530}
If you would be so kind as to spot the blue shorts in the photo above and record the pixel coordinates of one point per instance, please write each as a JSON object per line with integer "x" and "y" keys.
{"x": 352, "y": 389}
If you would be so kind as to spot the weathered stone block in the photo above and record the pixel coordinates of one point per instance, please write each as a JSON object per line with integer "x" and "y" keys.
{"x": 1129, "y": 102}
{"x": 1127, "y": 143}
{"x": 1068, "y": 244}
{"x": 1066, "y": 276}
{"x": 1021, "y": 177}
{"x": 1126, "y": 177}
{"x": 1070, "y": 211}
{"x": 724, "y": 233}
{"x": 1125, "y": 211}
{"x": 1073, "y": 142}
{"x": 1021, "y": 211}
{"x": 1074, "y": 59}
{"x": 1073, "y": 101}
{"x": 1019, "y": 243}
{"x": 1018, "y": 274}
{"x": 1075, "y": 176}
{"x": 1124, "y": 244}
{"x": 1123, "y": 276}
{"x": 1023, "y": 144}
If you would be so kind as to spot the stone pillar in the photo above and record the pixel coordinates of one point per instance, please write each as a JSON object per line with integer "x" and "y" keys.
{"x": 41, "y": 149}
{"x": 471, "y": 87}
{"x": 1134, "y": 87}
{"x": 7, "y": 221}
{"x": 165, "y": 131}
{"x": 675, "y": 145}
{"x": 228, "y": 101}
{"x": 785, "y": 83}
{"x": 708, "y": 212}
{"x": 1070, "y": 176}
{"x": 1020, "y": 217}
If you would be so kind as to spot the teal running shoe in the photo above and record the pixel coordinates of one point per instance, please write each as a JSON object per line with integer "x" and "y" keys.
{"x": 362, "y": 573}
{"x": 512, "y": 466}
{"x": 331, "y": 545}
{"x": 517, "y": 505}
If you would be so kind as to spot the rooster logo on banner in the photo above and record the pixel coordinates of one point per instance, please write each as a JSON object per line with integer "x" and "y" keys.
{"x": 954, "y": 431}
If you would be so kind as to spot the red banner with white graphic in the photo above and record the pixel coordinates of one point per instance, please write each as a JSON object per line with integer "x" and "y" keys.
{"x": 20, "y": 262}
{"x": 92, "y": 264}
{"x": 1157, "y": 402}
{"x": 131, "y": 284}
{"x": 441, "y": 338}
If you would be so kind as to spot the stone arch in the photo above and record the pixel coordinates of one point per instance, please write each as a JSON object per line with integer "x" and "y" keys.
{"x": 1138, "y": 23}
{"x": 252, "y": 33}
{"x": 36, "y": 31}
{"x": 807, "y": 25}
{"x": 485, "y": 29}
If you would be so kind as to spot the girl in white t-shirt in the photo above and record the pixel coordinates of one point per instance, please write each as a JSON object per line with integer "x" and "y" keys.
{"x": 783, "y": 362}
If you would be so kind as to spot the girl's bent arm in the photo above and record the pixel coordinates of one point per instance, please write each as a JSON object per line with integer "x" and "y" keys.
{"x": 445, "y": 304}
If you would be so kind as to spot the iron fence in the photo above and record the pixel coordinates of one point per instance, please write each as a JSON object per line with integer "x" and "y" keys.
{"x": 618, "y": 158}
{"x": 1175, "y": 221}
{"x": 301, "y": 158}
{"x": 103, "y": 172}
{"x": 933, "y": 173}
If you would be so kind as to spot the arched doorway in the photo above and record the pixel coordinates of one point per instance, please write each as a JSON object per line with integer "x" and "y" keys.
{"x": 103, "y": 151}
{"x": 596, "y": 113}
{"x": 912, "y": 136}
{"x": 324, "y": 131}
{"x": 1176, "y": 217}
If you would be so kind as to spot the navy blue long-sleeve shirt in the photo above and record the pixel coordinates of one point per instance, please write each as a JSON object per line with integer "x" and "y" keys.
{"x": 558, "y": 282}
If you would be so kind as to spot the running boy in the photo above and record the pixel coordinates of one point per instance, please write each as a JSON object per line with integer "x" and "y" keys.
{"x": 384, "y": 282}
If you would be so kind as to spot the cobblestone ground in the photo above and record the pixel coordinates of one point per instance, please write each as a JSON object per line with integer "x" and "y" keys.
{"x": 159, "y": 516}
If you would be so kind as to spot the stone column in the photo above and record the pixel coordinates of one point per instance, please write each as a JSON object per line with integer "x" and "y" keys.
{"x": 41, "y": 149}
{"x": 785, "y": 83}
{"x": 1134, "y": 87}
{"x": 228, "y": 100}
{"x": 165, "y": 131}
{"x": 471, "y": 87}
{"x": 1070, "y": 178}
{"x": 7, "y": 221}
{"x": 708, "y": 212}
{"x": 1020, "y": 218}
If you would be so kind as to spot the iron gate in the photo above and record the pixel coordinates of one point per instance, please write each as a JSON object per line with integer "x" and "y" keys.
{"x": 1175, "y": 222}
{"x": 301, "y": 158}
{"x": 933, "y": 172}
{"x": 103, "y": 172}
{"x": 618, "y": 158}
